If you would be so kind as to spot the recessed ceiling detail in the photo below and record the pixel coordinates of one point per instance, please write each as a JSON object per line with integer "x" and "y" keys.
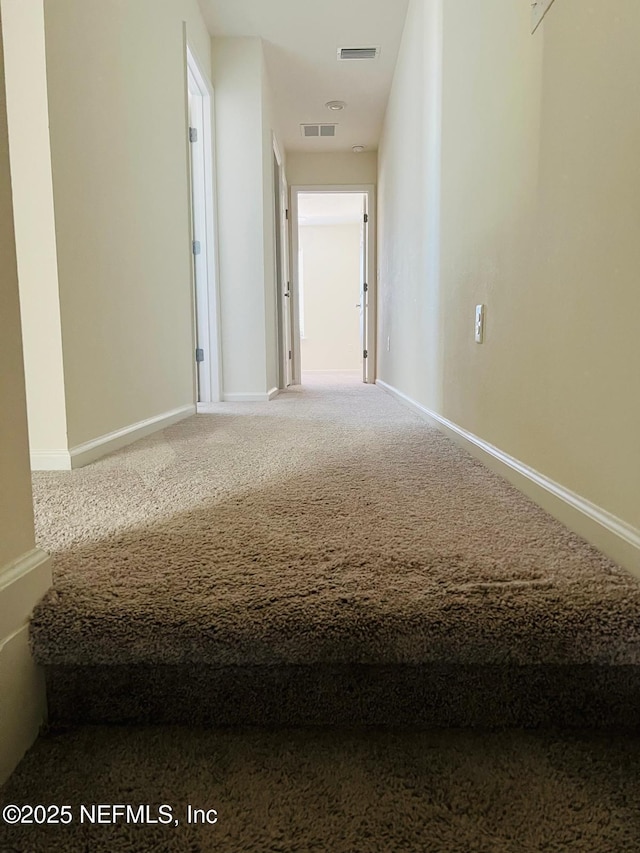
{"x": 318, "y": 130}
{"x": 358, "y": 53}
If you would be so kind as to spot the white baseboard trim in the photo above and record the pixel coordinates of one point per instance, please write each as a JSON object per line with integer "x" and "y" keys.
{"x": 20, "y": 568}
{"x": 50, "y": 460}
{"x": 247, "y": 397}
{"x": 214, "y": 408}
{"x": 88, "y": 452}
{"x": 22, "y": 691}
{"x": 613, "y": 536}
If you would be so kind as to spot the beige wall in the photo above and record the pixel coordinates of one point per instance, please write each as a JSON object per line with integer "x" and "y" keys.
{"x": 537, "y": 216}
{"x": 237, "y": 77}
{"x": 331, "y": 292}
{"x": 16, "y": 510}
{"x": 24, "y": 573}
{"x": 588, "y": 256}
{"x": 28, "y": 115}
{"x": 270, "y": 128}
{"x": 116, "y": 85}
{"x": 408, "y": 215}
{"x": 331, "y": 169}
{"x": 490, "y": 175}
{"x": 245, "y": 123}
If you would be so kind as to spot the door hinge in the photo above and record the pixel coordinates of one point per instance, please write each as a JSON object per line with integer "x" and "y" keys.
{"x": 287, "y": 213}
{"x": 199, "y": 356}
{"x": 366, "y": 218}
{"x": 196, "y": 247}
{"x": 365, "y": 354}
{"x": 366, "y": 287}
{"x": 290, "y": 355}
{"x": 193, "y": 134}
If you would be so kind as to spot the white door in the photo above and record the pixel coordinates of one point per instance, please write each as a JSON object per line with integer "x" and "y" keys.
{"x": 283, "y": 283}
{"x": 286, "y": 279}
{"x": 199, "y": 243}
{"x": 364, "y": 290}
{"x": 203, "y": 236}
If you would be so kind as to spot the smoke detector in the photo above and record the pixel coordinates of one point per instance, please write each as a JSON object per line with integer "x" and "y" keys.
{"x": 335, "y": 106}
{"x": 358, "y": 149}
{"x": 349, "y": 53}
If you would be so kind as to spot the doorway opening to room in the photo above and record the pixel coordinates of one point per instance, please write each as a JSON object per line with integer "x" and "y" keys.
{"x": 333, "y": 291}
{"x": 207, "y": 357}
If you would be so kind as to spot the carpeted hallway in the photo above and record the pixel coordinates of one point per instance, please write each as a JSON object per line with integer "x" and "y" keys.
{"x": 329, "y": 560}
{"x": 326, "y": 558}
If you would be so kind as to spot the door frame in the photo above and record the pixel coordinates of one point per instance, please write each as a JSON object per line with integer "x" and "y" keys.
{"x": 207, "y": 329}
{"x": 371, "y": 311}
{"x": 284, "y": 304}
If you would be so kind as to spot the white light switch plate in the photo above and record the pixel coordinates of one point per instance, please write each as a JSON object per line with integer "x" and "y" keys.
{"x": 539, "y": 9}
{"x": 480, "y": 315}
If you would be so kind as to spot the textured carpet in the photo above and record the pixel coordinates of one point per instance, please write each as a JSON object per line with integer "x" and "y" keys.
{"x": 333, "y": 529}
{"x": 338, "y": 791}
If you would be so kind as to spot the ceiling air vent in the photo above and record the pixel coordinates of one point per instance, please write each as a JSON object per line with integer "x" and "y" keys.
{"x": 358, "y": 52}
{"x": 318, "y": 130}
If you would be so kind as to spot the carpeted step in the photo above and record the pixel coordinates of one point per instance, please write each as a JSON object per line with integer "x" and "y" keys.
{"x": 367, "y": 572}
{"x": 340, "y": 791}
{"x": 433, "y": 696}
{"x": 413, "y": 655}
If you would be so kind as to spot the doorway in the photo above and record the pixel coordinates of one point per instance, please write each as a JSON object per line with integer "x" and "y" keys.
{"x": 207, "y": 357}
{"x": 333, "y": 295}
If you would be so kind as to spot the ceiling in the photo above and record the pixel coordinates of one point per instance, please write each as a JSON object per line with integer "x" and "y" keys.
{"x": 330, "y": 208}
{"x": 301, "y": 40}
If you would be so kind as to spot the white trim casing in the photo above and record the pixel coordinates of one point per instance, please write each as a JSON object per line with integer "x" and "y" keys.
{"x": 50, "y": 460}
{"x": 22, "y": 691}
{"x": 611, "y": 535}
{"x": 372, "y": 302}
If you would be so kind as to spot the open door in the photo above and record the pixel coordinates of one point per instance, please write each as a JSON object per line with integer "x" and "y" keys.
{"x": 283, "y": 282}
{"x": 207, "y": 356}
{"x": 364, "y": 293}
{"x": 199, "y": 244}
{"x": 352, "y": 342}
{"x": 286, "y": 279}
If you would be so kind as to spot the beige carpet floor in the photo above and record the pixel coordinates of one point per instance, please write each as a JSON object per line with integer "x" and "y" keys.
{"x": 327, "y": 560}
{"x": 331, "y": 527}
{"x": 336, "y": 791}
{"x": 276, "y": 532}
